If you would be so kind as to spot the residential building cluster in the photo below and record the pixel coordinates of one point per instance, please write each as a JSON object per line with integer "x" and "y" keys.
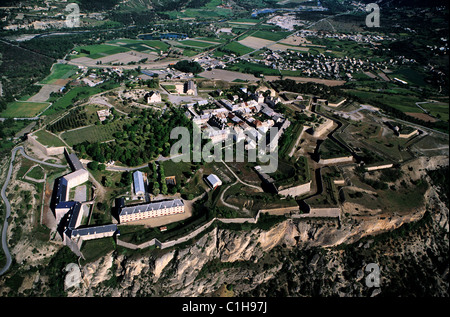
{"x": 322, "y": 65}
{"x": 243, "y": 120}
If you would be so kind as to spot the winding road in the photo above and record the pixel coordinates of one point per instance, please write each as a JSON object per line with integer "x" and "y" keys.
{"x": 8, "y": 206}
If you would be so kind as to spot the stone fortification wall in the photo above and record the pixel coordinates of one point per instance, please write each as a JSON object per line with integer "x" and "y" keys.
{"x": 296, "y": 190}
{"x": 46, "y": 150}
{"x": 336, "y": 160}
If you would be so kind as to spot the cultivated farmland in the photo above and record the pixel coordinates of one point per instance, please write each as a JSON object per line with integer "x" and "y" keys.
{"x": 94, "y": 133}
{"x": 23, "y": 109}
{"x": 98, "y": 51}
{"x": 60, "y": 71}
{"x": 237, "y": 48}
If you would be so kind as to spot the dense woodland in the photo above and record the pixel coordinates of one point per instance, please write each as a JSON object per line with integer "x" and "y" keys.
{"x": 20, "y": 69}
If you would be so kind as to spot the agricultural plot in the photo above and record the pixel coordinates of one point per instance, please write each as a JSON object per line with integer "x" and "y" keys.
{"x": 255, "y": 43}
{"x": 258, "y": 69}
{"x": 60, "y": 71}
{"x": 141, "y": 45}
{"x": 127, "y": 57}
{"x": 213, "y": 12}
{"x": 437, "y": 109}
{"x": 76, "y": 94}
{"x": 271, "y": 36}
{"x": 95, "y": 133}
{"x": 410, "y": 75}
{"x": 211, "y": 39}
{"x": 23, "y": 109}
{"x": 237, "y": 48}
{"x": 99, "y": 50}
{"x": 197, "y": 44}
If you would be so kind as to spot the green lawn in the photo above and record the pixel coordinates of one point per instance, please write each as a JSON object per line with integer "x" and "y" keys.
{"x": 329, "y": 149}
{"x": 60, "y": 71}
{"x": 48, "y": 139}
{"x": 95, "y": 249}
{"x": 37, "y": 173}
{"x": 19, "y": 109}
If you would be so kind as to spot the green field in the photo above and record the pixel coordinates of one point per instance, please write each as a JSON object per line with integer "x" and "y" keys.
{"x": 437, "y": 109}
{"x": 271, "y": 36}
{"x": 211, "y": 39}
{"x": 48, "y": 139}
{"x": 189, "y": 53}
{"x": 253, "y": 68}
{"x": 238, "y": 48}
{"x": 410, "y": 75}
{"x": 76, "y": 94}
{"x": 99, "y": 50}
{"x": 210, "y": 10}
{"x": 140, "y": 45}
{"x": 196, "y": 43}
{"x": 94, "y": 133}
{"x": 19, "y": 109}
{"x": 405, "y": 103}
{"x": 329, "y": 149}
{"x": 36, "y": 172}
{"x": 60, "y": 71}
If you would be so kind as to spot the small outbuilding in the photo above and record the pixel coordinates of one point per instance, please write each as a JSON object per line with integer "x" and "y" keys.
{"x": 213, "y": 181}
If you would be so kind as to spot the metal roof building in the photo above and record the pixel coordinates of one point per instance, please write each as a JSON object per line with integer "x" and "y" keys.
{"x": 93, "y": 232}
{"x": 151, "y": 206}
{"x": 138, "y": 183}
{"x": 151, "y": 210}
{"x": 73, "y": 161}
{"x": 213, "y": 181}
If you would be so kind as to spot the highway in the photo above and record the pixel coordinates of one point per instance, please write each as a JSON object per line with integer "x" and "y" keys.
{"x": 8, "y": 206}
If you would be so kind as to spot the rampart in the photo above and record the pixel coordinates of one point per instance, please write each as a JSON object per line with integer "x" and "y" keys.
{"x": 296, "y": 190}
{"x": 379, "y": 167}
{"x": 47, "y": 150}
{"x": 336, "y": 160}
{"x": 315, "y": 212}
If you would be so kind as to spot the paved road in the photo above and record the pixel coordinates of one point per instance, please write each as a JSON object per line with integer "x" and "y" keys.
{"x": 8, "y": 206}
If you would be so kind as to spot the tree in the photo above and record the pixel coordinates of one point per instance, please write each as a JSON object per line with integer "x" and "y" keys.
{"x": 107, "y": 181}
{"x": 188, "y": 67}
{"x": 164, "y": 190}
{"x": 93, "y": 165}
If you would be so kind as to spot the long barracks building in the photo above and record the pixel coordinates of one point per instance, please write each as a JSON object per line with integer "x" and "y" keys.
{"x": 151, "y": 210}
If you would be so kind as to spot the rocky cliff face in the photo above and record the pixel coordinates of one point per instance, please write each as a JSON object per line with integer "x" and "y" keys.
{"x": 248, "y": 255}
{"x": 295, "y": 257}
